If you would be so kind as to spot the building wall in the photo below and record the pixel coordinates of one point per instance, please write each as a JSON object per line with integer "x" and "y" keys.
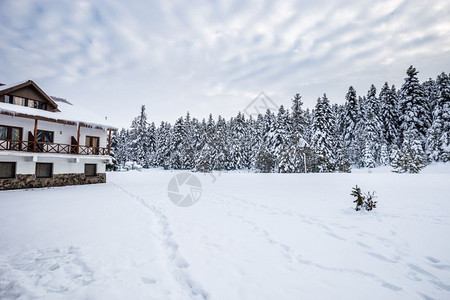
{"x": 61, "y": 165}
{"x": 62, "y": 132}
{"x": 67, "y": 170}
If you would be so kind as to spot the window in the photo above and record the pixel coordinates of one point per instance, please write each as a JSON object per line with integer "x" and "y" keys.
{"x": 18, "y": 100}
{"x": 45, "y": 136}
{"x": 25, "y": 102}
{"x": 13, "y": 137}
{"x": 3, "y": 133}
{"x": 90, "y": 170}
{"x": 44, "y": 170}
{"x": 33, "y": 103}
{"x": 7, "y": 170}
{"x": 94, "y": 142}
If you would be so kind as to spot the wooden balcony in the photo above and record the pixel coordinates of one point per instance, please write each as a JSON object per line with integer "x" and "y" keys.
{"x": 43, "y": 147}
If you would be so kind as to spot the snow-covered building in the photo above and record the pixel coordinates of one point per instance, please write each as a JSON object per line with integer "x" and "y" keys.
{"x": 46, "y": 141}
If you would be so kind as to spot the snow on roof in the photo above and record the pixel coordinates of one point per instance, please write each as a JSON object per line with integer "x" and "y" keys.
{"x": 8, "y": 86}
{"x": 68, "y": 112}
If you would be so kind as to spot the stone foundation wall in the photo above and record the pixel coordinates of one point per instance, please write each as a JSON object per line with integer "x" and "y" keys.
{"x": 30, "y": 181}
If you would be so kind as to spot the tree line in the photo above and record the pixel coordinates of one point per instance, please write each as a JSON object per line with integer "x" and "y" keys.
{"x": 406, "y": 128}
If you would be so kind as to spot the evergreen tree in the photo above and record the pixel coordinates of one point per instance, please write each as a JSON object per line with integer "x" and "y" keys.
{"x": 264, "y": 160}
{"x": 351, "y": 120}
{"x": 281, "y": 137}
{"x": 342, "y": 163}
{"x": 372, "y": 129}
{"x": 389, "y": 114}
{"x": 438, "y": 135}
{"x": 322, "y": 140}
{"x": 204, "y": 161}
{"x": 413, "y": 107}
{"x": 384, "y": 155}
{"x": 298, "y": 120}
{"x": 411, "y": 156}
{"x": 139, "y": 138}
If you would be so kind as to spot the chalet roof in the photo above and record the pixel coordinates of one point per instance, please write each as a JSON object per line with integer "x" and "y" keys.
{"x": 17, "y": 86}
{"x": 67, "y": 112}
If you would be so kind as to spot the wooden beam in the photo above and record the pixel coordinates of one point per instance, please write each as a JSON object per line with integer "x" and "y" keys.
{"x": 35, "y": 135}
{"x": 109, "y": 142}
{"x": 78, "y": 138}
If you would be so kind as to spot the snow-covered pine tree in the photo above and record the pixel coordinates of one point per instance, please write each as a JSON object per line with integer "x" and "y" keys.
{"x": 443, "y": 83}
{"x": 438, "y": 135}
{"x": 351, "y": 120}
{"x": 163, "y": 143}
{"x": 322, "y": 140}
{"x": 139, "y": 138}
{"x": 176, "y": 149}
{"x": 247, "y": 143}
{"x": 384, "y": 155}
{"x": 369, "y": 160}
{"x": 286, "y": 159}
{"x": 412, "y": 156}
{"x": 413, "y": 106}
{"x": 122, "y": 148}
{"x": 264, "y": 159}
{"x": 204, "y": 160}
{"x": 298, "y": 120}
{"x": 431, "y": 92}
{"x": 360, "y": 132}
{"x": 281, "y": 137}
{"x": 342, "y": 163}
{"x": 220, "y": 152}
{"x": 395, "y": 160}
{"x": 372, "y": 129}
{"x": 188, "y": 144}
{"x": 150, "y": 155}
{"x": 237, "y": 145}
{"x": 389, "y": 114}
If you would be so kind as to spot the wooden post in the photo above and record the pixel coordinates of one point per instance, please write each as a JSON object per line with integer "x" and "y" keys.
{"x": 109, "y": 142}
{"x": 35, "y": 135}
{"x": 78, "y": 139}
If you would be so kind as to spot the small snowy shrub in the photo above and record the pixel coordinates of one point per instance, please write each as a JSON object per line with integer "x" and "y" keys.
{"x": 369, "y": 203}
{"x": 356, "y": 192}
{"x": 363, "y": 201}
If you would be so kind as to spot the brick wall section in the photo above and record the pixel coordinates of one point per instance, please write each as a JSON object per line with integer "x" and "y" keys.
{"x": 30, "y": 181}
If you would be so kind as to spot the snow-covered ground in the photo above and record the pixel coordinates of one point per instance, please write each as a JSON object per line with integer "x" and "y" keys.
{"x": 251, "y": 236}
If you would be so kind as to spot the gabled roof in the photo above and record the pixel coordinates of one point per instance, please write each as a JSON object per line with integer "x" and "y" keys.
{"x": 5, "y": 89}
{"x": 65, "y": 113}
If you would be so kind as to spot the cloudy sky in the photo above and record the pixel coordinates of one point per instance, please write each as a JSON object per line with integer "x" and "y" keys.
{"x": 216, "y": 56}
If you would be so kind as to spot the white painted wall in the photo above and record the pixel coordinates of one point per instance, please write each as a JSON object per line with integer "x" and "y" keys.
{"x": 61, "y": 165}
{"x": 62, "y": 133}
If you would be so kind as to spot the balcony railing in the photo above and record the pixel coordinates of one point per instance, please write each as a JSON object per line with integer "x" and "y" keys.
{"x": 44, "y": 147}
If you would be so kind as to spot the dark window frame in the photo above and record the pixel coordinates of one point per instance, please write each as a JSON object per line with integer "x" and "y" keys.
{"x": 90, "y": 174}
{"x": 44, "y": 132}
{"x": 14, "y": 169}
{"x": 16, "y": 144}
{"x": 95, "y": 150}
{"x": 44, "y": 176}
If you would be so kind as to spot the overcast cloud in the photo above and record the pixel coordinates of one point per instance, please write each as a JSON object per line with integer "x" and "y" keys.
{"x": 216, "y": 56}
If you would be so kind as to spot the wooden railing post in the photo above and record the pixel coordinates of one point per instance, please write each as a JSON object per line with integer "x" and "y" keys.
{"x": 35, "y": 135}
{"x": 78, "y": 139}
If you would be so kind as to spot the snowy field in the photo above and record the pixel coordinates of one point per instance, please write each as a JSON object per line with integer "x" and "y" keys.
{"x": 251, "y": 236}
